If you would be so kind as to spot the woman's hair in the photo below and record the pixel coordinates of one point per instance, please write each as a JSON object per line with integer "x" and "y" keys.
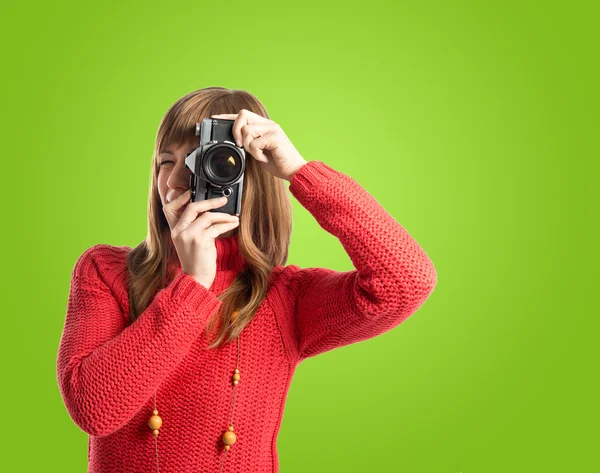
{"x": 263, "y": 234}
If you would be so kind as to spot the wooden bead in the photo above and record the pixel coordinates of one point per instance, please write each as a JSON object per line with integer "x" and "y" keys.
{"x": 156, "y": 433}
{"x": 236, "y": 371}
{"x": 236, "y": 377}
{"x": 235, "y": 383}
{"x": 155, "y": 412}
{"x": 229, "y": 438}
{"x": 155, "y": 422}
{"x": 227, "y": 447}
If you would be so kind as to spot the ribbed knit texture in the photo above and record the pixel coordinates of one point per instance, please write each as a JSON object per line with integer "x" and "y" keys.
{"x": 108, "y": 368}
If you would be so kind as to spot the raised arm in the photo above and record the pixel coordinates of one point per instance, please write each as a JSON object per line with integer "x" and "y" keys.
{"x": 107, "y": 370}
{"x": 393, "y": 275}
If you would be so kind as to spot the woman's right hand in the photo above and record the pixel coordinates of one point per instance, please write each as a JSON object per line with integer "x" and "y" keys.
{"x": 194, "y": 237}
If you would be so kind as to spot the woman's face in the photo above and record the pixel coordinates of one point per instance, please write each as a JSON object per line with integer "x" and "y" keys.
{"x": 174, "y": 175}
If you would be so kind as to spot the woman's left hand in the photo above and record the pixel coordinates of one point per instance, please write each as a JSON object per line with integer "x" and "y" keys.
{"x": 266, "y": 142}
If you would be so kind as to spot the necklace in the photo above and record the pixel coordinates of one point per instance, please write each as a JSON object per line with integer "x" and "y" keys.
{"x": 229, "y": 438}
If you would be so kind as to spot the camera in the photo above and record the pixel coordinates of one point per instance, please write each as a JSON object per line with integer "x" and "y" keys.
{"x": 218, "y": 165}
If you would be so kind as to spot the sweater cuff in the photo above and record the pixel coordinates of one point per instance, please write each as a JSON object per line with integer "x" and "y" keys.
{"x": 303, "y": 180}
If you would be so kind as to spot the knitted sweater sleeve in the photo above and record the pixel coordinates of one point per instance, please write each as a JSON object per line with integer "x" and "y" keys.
{"x": 107, "y": 369}
{"x": 393, "y": 275}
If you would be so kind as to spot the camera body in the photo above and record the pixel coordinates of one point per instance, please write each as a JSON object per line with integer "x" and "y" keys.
{"x": 218, "y": 165}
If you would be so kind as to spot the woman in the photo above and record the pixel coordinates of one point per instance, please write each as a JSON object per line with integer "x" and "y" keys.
{"x": 133, "y": 369}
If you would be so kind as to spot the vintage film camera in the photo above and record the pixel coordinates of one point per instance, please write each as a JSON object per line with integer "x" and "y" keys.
{"x": 218, "y": 165}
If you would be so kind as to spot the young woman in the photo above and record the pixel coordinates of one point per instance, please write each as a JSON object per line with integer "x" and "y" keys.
{"x": 177, "y": 355}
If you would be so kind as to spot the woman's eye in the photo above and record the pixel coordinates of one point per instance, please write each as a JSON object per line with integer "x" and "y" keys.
{"x": 164, "y": 162}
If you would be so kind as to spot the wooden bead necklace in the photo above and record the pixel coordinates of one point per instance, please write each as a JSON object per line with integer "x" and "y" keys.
{"x": 229, "y": 438}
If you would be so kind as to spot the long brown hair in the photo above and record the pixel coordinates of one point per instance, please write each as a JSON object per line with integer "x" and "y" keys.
{"x": 263, "y": 234}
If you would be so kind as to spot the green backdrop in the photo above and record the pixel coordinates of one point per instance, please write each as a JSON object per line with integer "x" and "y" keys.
{"x": 470, "y": 122}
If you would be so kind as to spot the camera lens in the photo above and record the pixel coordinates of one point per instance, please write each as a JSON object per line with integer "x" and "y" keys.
{"x": 223, "y": 164}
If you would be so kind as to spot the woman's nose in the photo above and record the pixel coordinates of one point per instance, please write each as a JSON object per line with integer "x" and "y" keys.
{"x": 180, "y": 177}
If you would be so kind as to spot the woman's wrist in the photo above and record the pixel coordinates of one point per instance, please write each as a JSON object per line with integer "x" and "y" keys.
{"x": 300, "y": 166}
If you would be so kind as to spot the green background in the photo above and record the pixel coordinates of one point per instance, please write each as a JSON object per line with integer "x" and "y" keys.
{"x": 470, "y": 122}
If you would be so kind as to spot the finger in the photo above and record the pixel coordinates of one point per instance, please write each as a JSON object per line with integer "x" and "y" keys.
{"x": 240, "y": 121}
{"x": 194, "y": 208}
{"x": 269, "y": 141}
{"x": 244, "y": 118}
{"x": 211, "y": 218}
{"x": 170, "y": 209}
{"x": 254, "y": 130}
{"x": 217, "y": 229}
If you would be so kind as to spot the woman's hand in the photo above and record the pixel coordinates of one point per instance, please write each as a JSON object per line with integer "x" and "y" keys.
{"x": 194, "y": 231}
{"x": 266, "y": 142}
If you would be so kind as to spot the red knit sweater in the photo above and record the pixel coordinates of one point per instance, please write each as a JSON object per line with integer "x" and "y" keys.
{"x": 108, "y": 368}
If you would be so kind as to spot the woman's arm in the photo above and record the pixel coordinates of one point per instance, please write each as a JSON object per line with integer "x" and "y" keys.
{"x": 393, "y": 275}
{"x": 106, "y": 370}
